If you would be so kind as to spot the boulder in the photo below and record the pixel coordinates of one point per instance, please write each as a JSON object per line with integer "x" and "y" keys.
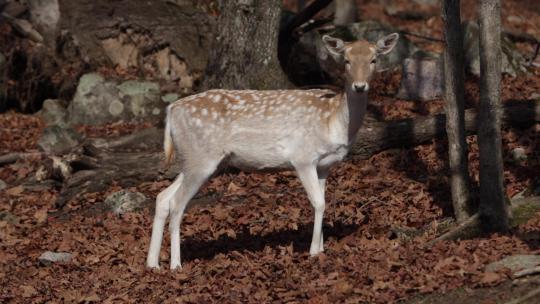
{"x": 45, "y": 16}
{"x": 515, "y": 263}
{"x": 512, "y": 60}
{"x": 50, "y": 257}
{"x": 58, "y": 140}
{"x": 98, "y": 101}
{"x": 170, "y": 97}
{"x": 54, "y": 113}
{"x": 422, "y": 78}
{"x": 125, "y": 201}
{"x": 15, "y": 9}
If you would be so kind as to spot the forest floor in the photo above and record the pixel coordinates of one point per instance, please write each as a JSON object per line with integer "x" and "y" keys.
{"x": 250, "y": 241}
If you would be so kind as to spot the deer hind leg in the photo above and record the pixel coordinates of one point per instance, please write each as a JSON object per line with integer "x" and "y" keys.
{"x": 310, "y": 181}
{"x": 161, "y": 213}
{"x": 193, "y": 180}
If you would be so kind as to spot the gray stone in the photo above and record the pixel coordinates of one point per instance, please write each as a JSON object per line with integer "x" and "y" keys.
{"x": 98, "y": 101}
{"x": 54, "y": 113}
{"x": 3, "y": 185}
{"x": 45, "y": 16}
{"x": 515, "y": 263}
{"x": 519, "y": 154}
{"x": 512, "y": 60}
{"x": 15, "y": 9}
{"x": 50, "y": 257}
{"x": 170, "y": 98}
{"x": 141, "y": 98}
{"x": 422, "y": 78}
{"x": 6, "y": 216}
{"x": 58, "y": 140}
{"x": 26, "y": 29}
{"x": 125, "y": 201}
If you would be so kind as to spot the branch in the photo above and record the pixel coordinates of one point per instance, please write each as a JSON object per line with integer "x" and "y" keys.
{"x": 304, "y": 16}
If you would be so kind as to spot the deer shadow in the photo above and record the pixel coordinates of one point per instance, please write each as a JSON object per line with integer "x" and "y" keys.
{"x": 245, "y": 241}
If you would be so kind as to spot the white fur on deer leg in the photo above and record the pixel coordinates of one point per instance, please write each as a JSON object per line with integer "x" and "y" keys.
{"x": 303, "y": 130}
{"x": 162, "y": 211}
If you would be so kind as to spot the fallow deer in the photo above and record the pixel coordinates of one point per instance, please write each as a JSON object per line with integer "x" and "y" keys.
{"x": 304, "y": 130}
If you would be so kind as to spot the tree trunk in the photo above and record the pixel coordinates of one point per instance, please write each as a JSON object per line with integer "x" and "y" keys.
{"x": 455, "y": 110}
{"x": 345, "y": 12}
{"x": 493, "y": 206}
{"x": 244, "y": 55}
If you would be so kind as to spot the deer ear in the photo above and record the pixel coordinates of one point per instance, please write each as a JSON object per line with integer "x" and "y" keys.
{"x": 334, "y": 45}
{"x": 387, "y": 43}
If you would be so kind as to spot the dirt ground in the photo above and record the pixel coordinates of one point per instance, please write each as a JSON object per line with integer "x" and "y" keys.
{"x": 249, "y": 241}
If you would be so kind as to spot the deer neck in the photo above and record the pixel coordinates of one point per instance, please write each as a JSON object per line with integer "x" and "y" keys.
{"x": 351, "y": 113}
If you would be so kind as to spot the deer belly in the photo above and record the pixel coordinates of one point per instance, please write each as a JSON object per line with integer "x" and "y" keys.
{"x": 259, "y": 160}
{"x": 333, "y": 156}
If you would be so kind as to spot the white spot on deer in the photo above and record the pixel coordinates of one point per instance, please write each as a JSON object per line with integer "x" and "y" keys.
{"x": 204, "y": 112}
{"x": 216, "y": 98}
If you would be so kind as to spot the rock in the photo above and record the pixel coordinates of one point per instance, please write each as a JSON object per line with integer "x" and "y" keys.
{"x": 422, "y": 78}
{"x": 310, "y": 63}
{"x": 6, "y": 216}
{"x": 125, "y": 201}
{"x": 98, "y": 101}
{"x": 515, "y": 263}
{"x": 3, "y": 185}
{"x": 54, "y": 113}
{"x": 157, "y": 38}
{"x": 48, "y": 257}
{"x": 26, "y": 29}
{"x": 142, "y": 98}
{"x": 519, "y": 154}
{"x": 45, "y": 16}
{"x": 170, "y": 98}
{"x": 512, "y": 60}
{"x": 15, "y": 9}
{"x": 58, "y": 140}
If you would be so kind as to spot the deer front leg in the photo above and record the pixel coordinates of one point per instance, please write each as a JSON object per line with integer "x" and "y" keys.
{"x": 310, "y": 181}
{"x": 323, "y": 174}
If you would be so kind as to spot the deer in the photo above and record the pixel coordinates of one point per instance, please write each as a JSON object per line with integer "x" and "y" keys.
{"x": 307, "y": 131}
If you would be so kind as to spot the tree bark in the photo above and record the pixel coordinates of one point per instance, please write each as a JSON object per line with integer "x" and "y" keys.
{"x": 244, "y": 55}
{"x": 493, "y": 206}
{"x": 455, "y": 110}
{"x": 345, "y": 12}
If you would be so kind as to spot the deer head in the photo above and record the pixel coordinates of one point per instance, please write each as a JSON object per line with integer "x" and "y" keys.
{"x": 359, "y": 58}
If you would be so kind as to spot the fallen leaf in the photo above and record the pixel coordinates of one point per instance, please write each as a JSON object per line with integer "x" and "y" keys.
{"x": 15, "y": 191}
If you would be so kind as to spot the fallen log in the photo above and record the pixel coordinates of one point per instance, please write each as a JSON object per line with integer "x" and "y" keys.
{"x": 522, "y": 210}
{"x": 380, "y": 136}
{"x": 99, "y": 163}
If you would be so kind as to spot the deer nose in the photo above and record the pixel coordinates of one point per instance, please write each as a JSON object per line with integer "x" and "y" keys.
{"x": 360, "y": 87}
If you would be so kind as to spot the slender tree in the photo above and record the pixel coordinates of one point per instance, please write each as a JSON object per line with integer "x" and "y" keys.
{"x": 244, "y": 54}
{"x": 455, "y": 110}
{"x": 493, "y": 206}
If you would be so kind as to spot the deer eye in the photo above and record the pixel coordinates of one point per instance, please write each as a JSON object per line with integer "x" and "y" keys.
{"x": 373, "y": 61}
